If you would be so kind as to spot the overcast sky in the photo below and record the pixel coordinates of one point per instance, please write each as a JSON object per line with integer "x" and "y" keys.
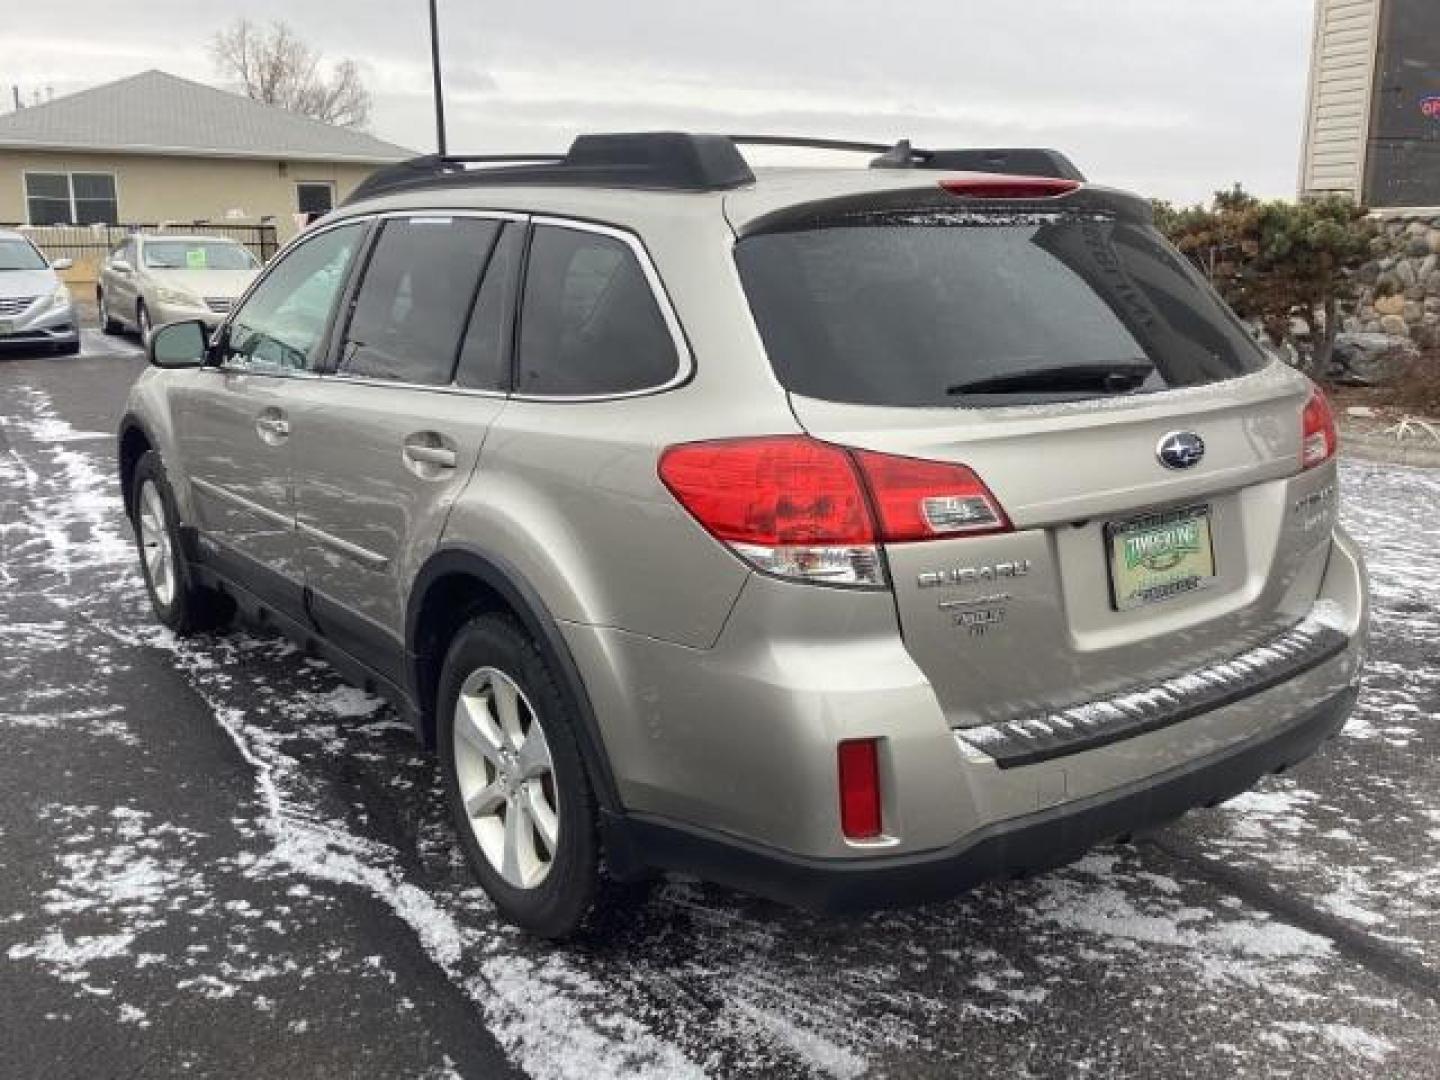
{"x": 1173, "y": 98}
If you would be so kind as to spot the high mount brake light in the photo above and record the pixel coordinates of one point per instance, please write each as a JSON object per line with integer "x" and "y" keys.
{"x": 1009, "y": 187}
{"x": 1318, "y": 438}
{"x": 808, "y": 510}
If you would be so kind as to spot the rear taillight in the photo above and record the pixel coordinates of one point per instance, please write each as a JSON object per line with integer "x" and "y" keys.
{"x": 791, "y": 506}
{"x": 1319, "y": 438}
{"x": 859, "y": 762}
{"x": 1009, "y": 187}
{"x": 925, "y": 500}
{"x": 812, "y": 511}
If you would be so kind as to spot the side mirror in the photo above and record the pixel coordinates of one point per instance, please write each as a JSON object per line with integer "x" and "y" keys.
{"x": 120, "y": 265}
{"x": 179, "y": 344}
{"x": 62, "y": 264}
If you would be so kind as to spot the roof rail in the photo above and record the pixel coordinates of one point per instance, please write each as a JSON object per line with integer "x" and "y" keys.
{"x": 678, "y": 161}
{"x": 1020, "y": 161}
{"x": 660, "y": 160}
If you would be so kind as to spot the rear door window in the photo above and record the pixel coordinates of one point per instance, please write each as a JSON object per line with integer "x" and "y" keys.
{"x": 590, "y": 323}
{"x": 412, "y": 304}
{"x": 975, "y": 309}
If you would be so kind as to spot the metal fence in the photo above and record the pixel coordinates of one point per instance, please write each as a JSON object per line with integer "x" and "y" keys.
{"x": 94, "y": 242}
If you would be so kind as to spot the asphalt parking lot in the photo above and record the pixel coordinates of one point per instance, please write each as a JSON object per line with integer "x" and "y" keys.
{"x": 216, "y": 857}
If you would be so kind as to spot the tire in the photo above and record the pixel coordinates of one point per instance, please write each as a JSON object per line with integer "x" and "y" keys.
{"x": 492, "y": 759}
{"x": 179, "y": 602}
{"x": 142, "y": 322}
{"x": 70, "y": 348}
{"x": 108, "y": 323}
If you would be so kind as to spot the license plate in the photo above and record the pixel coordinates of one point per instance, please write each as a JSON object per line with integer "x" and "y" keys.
{"x": 7, "y": 326}
{"x": 1160, "y": 556}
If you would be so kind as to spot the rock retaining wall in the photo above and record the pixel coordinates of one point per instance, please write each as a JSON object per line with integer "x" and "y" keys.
{"x": 1400, "y": 285}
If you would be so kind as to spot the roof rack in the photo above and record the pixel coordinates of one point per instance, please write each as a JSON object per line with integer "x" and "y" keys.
{"x": 678, "y": 161}
{"x": 659, "y": 160}
{"x": 1018, "y": 161}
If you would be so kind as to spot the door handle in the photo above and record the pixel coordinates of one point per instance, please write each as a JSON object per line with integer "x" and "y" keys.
{"x": 441, "y": 456}
{"x": 430, "y": 455}
{"x": 272, "y": 426}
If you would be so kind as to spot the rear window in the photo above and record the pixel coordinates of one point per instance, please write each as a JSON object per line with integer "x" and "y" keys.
{"x": 986, "y": 309}
{"x": 197, "y": 255}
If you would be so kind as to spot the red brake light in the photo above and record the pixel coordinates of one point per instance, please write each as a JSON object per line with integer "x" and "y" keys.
{"x": 789, "y": 505}
{"x": 1319, "y": 437}
{"x": 783, "y": 489}
{"x": 1009, "y": 187}
{"x": 809, "y": 510}
{"x": 925, "y": 500}
{"x": 860, "y": 789}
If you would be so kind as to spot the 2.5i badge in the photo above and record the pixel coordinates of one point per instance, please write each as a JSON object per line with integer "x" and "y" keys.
{"x": 1160, "y": 556}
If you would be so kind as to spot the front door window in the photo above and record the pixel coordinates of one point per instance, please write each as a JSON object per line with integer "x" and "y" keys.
{"x": 281, "y": 325}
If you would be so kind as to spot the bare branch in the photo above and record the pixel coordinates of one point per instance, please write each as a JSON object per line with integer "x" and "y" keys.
{"x": 273, "y": 65}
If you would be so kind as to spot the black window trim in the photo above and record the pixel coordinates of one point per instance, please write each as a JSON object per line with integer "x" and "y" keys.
{"x": 340, "y": 315}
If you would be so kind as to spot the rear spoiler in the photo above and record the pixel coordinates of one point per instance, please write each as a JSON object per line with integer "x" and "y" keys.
{"x": 856, "y": 208}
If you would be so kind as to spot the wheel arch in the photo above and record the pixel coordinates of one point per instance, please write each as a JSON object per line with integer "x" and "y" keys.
{"x": 458, "y": 582}
{"x": 132, "y": 443}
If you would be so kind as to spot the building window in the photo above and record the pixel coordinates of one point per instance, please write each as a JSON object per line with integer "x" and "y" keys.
{"x": 71, "y": 199}
{"x": 315, "y": 198}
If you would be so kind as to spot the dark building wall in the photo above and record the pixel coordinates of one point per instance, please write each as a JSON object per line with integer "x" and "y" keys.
{"x": 1403, "y": 153}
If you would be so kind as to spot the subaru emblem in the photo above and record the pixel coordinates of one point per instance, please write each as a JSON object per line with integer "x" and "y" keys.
{"x": 1180, "y": 449}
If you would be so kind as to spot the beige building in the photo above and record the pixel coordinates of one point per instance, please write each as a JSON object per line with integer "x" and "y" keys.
{"x": 156, "y": 148}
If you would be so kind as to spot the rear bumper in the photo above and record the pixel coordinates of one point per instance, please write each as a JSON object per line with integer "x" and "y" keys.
{"x": 1011, "y": 848}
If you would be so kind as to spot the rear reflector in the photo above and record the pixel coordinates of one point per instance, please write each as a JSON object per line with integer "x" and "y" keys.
{"x": 860, "y": 789}
{"x": 1009, "y": 187}
{"x": 1319, "y": 437}
{"x": 808, "y": 510}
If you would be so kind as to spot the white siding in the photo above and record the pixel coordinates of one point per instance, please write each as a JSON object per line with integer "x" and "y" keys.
{"x": 1337, "y": 117}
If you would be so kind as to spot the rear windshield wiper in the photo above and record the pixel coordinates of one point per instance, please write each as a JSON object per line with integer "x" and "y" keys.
{"x": 1060, "y": 378}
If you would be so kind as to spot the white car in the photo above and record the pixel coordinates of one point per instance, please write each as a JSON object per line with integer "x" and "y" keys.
{"x": 35, "y": 308}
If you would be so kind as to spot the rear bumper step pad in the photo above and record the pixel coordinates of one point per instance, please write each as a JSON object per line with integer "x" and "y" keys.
{"x": 1053, "y": 734}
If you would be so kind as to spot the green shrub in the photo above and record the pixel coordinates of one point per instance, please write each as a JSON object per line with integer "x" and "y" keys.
{"x": 1278, "y": 263}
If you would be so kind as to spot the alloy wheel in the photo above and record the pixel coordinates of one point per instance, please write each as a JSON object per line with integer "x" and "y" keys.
{"x": 155, "y": 546}
{"x": 506, "y": 778}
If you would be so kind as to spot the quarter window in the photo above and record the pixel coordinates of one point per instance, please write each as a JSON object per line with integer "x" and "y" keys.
{"x": 71, "y": 199}
{"x": 281, "y": 325}
{"x": 590, "y": 323}
{"x": 412, "y": 305}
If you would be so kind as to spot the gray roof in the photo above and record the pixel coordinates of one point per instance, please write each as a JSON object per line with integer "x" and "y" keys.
{"x": 158, "y": 113}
